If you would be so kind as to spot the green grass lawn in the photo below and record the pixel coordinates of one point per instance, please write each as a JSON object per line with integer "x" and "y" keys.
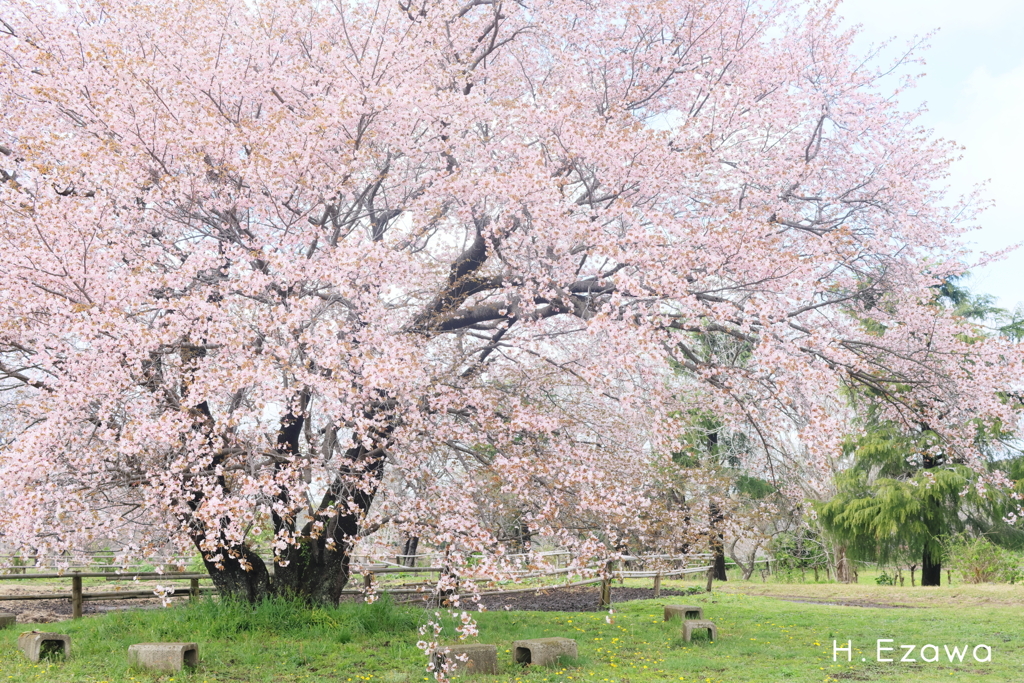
{"x": 762, "y": 639}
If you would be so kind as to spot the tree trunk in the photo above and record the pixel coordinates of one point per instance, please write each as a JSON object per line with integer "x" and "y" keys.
{"x": 844, "y": 568}
{"x": 235, "y": 582}
{"x": 720, "y": 574}
{"x": 316, "y": 568}
{"x": 237, "y": 571}
{"x": 931, "y": 564}
{"x": 931, "y": 567}
{"x": 409, "y": 553}
{"x": 747, "y": 570}
{"x": 717, "y": 543}
{"x": 312, "y": 571}
{"x": 523, "y": 536}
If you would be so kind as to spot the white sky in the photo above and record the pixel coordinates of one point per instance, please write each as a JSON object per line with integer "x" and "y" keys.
{"x": 974, "y": 91}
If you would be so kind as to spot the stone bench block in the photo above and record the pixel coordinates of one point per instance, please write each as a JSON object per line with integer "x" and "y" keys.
{"x": 163, "y": 656}
{"x": 692, "y": 625}
{"x": 7, "y": 619}
{"x": 480, "y": 659}
{"x": 683, "y": 612}
{"x": 543, "y": 651}
{"x": 38, "y": 645}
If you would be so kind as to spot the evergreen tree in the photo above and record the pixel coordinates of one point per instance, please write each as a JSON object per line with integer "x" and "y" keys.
{"x": 903, "y": 493}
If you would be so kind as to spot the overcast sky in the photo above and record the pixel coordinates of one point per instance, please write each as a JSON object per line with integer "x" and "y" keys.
{"x": 974, "y": 90}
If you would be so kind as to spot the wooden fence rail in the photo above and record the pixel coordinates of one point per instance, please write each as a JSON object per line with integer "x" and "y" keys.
{"x": 78, "y": 596}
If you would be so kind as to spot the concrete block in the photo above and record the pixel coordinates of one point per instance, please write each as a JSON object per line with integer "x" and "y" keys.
{"x": 39, "y": 645}
{"x": 163, "y": 656}
{"x": 692, "y": 625}
{"x": 481, "y": 659}
{"x": 683, "y": 612}
{"x": 7, "y": 619}
{"x": 543, "y": 651}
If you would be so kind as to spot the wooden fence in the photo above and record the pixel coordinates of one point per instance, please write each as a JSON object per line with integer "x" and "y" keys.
{"x": 78, "y": 595}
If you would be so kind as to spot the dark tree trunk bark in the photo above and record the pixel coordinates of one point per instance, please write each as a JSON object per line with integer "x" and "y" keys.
{"x": 312, "y": 571}
{"x": 409, "y": 553}
{"x": 716, "y": 517}
{"x": 237, "y": 572}
{"x": 523, "y": 537}
{"x": 318, "y": 568}
{"x": 717, "y": 543}
{"x": 720, "y": 574}
{"x": 931, "y": 567}
{"x": 931, "y": 563}
{"x": 234, "y": 581}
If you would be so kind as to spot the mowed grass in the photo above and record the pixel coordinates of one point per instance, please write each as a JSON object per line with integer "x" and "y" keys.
{"x": 762, "y": 639}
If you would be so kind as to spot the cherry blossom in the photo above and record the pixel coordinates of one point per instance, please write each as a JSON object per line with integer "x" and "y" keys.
{"x": 283, "y": 276}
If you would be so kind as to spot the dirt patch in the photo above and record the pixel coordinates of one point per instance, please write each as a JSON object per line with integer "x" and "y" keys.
{"x": 850, "y": 676}
{"x": 572, "y": 599}
{"x": 866, "y": 595}
{"x": 49, "y": 611}
{"x": 843, "y": 603}
{"x": 45, "y": 611}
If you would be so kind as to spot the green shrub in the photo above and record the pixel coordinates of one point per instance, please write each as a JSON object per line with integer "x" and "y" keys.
{"x": 979, "y": 560}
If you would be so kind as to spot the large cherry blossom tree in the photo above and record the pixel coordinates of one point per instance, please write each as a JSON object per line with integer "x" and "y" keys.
{"x": 292, "y": 272}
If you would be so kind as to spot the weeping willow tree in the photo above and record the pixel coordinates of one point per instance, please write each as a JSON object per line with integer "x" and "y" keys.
{"x": 902, "y": 496}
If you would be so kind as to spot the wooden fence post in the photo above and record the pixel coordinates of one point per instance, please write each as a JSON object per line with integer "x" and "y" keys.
{"x": 657, "y": 585}
{"x": 193, "y": 590}
{"x": 76, "y": 596}
{"x": 606, "y": 587}
{"x": 367, "y": 584}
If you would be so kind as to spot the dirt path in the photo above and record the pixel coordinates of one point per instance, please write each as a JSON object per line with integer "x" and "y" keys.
{"x": 842, "y": 603}
{"x": 866, "y": 595}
